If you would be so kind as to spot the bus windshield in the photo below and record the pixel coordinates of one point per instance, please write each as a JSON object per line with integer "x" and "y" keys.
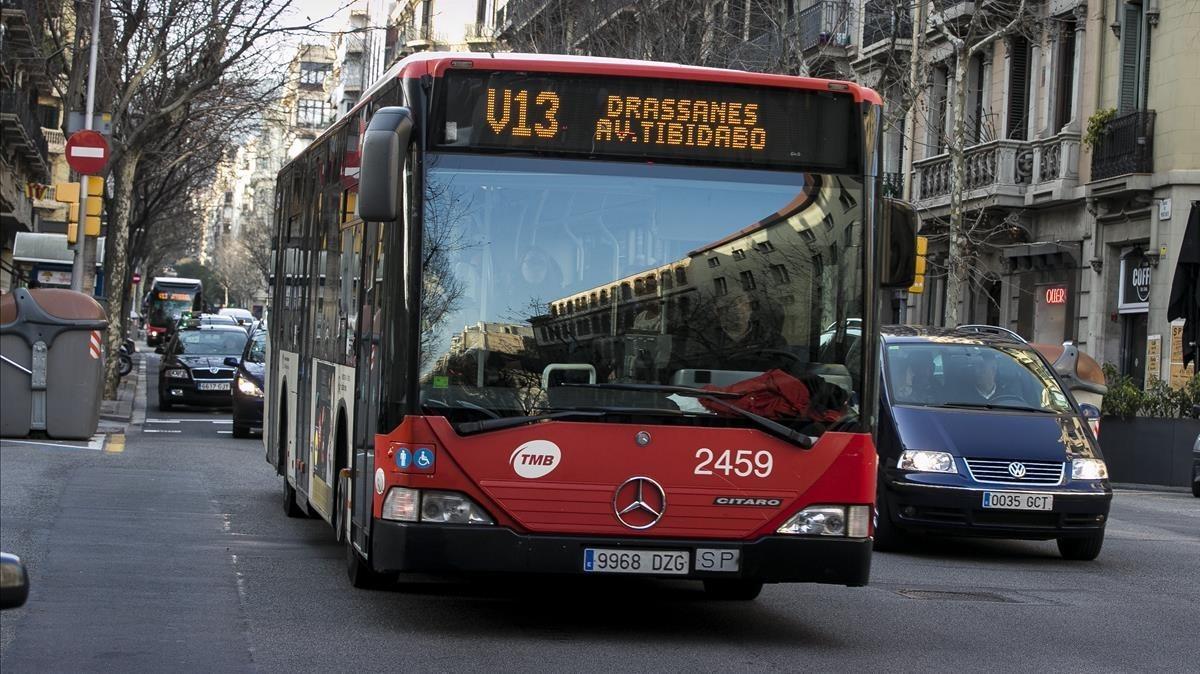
{"x": 167, "y": 312}
{"x": 544, "y": 272}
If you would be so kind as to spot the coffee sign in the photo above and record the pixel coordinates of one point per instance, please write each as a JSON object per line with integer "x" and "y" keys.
{"x": 1136, "y": 275}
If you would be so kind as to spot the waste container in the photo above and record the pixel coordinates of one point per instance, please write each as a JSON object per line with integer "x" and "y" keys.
{"x": 51, "y": 363}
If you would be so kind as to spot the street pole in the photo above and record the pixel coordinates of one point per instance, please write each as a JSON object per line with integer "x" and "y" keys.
{"x": 80, "y": 236}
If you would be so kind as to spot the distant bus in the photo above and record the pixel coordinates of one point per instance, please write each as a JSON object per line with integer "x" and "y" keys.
{"x": 168, "y": 298}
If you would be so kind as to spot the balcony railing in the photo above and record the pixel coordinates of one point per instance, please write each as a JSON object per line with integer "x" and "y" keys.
{"x": 1125, "y": 146}
{"x": 998, "y": 164}
{"x": 893, "y": 184}
{"x": 482, "y": 32}
{"x": 886, "y": 19}
{"x": 1056, "y": 158}
{"x": 826, "y": 23}
{"x": 20, "y": 129}
{"x": 56, "y": 140}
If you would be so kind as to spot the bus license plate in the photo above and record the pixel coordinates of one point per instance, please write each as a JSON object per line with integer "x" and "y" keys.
{"x": 1003, "y": 500}
{"x": 213, "y": 386}
{"x": 653, "y": 562}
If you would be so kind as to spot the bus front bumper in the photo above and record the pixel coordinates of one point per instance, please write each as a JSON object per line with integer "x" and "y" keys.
{"x": 431, "y": 548}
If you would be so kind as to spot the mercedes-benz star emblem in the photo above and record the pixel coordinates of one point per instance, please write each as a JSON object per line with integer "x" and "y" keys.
{"x": 639, "y": 502}
{"x": 1016, "y": 469}
{"x": 642, "y": 438}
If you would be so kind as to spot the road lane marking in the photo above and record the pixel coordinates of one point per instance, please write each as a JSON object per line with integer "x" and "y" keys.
{"x": 223, "y": 421}
{"x": 90, "y": 446}
{"x": 161, "y": 430}
{"x": 116, "y": 444}
{"x": 225, "y": 432}
{"x": 162, "y": 421}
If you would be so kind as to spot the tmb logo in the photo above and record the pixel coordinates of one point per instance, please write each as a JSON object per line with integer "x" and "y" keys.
{"x": 536, "y": 458}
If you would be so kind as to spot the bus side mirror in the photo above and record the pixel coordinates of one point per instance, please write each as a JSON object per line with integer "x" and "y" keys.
{"x": 897, "y": 244}
{"x": 384, "y": 145}
{"x": 14, "y": 581}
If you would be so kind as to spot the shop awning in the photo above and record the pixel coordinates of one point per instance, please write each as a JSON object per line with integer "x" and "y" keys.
{"x": 39, "y": 247}
{"x": 1043, "y": 255}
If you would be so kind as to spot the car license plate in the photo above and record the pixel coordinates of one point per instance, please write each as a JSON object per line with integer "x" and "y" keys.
{"x": 653, "y": 562}
{"x": 213, "y": 386}
{"x": 1006, "y": 500}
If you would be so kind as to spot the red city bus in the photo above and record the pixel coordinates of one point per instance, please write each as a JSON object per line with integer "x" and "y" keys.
{"x": 546, "y": 314}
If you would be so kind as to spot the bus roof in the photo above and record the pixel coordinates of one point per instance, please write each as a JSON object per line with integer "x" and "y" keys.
{"x": 175, "y": 280}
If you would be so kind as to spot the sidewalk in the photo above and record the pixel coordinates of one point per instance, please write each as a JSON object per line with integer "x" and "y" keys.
{"x": 119, "y": 412}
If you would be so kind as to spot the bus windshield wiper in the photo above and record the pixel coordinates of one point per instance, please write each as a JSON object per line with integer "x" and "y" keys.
{"x": 719, "y": 397}
{"x": 471, "y": 427}
{"x": 994, "y": 406}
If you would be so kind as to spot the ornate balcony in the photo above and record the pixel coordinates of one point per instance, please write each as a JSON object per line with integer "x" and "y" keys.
{"x": 56, "y": 140}
{"x": 20, "y": 130}
{"x": 999, "y": 170}
{"x": 826, "y": 23}
{"x": 1055, "y": 170}
{"x": 1126, "y": 146}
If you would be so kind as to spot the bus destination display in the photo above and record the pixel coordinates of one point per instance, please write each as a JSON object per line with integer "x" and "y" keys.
{"x": 648, "y": 118}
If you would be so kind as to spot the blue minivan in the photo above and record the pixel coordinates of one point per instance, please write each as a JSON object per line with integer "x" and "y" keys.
{"x": 978, "y": 436}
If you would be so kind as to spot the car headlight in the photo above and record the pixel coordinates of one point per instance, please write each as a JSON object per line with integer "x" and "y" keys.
{"x": 248, "y": 387}
{"x": 1088, "y": 469}
{"x": 925, "y": 461}
{"x": 828, "y": 520}
{"x": 450, "y": 507}
{"x": 177, "y": 374}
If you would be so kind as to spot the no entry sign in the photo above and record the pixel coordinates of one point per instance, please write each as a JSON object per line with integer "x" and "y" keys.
{"x": 87, "y": 152}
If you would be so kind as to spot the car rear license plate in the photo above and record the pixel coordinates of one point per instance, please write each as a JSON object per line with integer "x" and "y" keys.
{"x": 213, "y": 386}
{"x": 1007, "y": 500}
{"x": 653, "y": 562}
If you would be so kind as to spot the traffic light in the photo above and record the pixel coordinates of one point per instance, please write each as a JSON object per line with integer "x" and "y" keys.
{"x": 918, "y": 285}
{"x": 68, "y": 193}
{"x": 72, "y": 233}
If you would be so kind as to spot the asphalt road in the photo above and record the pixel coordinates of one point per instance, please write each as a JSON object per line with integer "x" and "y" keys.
{"x": 174, "y": 553}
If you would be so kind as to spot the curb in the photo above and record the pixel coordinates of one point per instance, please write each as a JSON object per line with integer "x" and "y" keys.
{"x": 119, "y": 414}
{"x": 1132, "y": 486}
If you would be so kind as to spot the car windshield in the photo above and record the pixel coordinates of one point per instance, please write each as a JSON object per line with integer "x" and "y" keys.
{"x": 258, "y": 348}
{"x": 543, "y": 272}
{"x": 211, "y": 342}
{"x": 972, "y": 375}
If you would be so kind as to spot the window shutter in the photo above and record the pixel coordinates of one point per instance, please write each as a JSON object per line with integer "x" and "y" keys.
{"x": 1018, "y": 88}
{"x": 1131, "y": 32}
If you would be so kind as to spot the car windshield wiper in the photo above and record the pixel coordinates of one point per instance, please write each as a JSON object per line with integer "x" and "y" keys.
{"x": 719, "y": 397}
{"x": 994, "y": 406}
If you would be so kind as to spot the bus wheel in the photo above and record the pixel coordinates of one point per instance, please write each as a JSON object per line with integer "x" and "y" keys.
{"x": 733, "y": 590}
{"x": 290, "y": 506}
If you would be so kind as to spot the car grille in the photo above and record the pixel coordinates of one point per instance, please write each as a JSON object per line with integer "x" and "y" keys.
{"x": 995, "y": 471}
{"x": 206, "y": 373}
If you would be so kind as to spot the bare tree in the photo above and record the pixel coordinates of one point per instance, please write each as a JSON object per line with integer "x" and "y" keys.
{"x": 164, "y": 57}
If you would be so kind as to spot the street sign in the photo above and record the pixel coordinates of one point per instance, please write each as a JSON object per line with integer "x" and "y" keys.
{"x": 87, "y": 152}
{"x": 137, "y": 278}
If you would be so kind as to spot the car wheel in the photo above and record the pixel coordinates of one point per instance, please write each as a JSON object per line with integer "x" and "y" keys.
{"x": 888, "y": 536}
{"x": 733, "y": 590}
{"x": 1081, "y": 548}
{"x": 290, "y": 506}
{"x": 1196, "y": 487}
{"x": 240, "y": 431}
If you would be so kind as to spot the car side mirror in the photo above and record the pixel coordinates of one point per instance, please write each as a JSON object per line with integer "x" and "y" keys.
{"x": 14, "y": 581}
{"x": 233, "y": 361}
{"x": 897, "y": 244}
{"x": 384, "y": 145}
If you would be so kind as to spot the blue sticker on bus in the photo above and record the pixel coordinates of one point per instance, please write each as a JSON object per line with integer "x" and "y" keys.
{"x": 423, "y": 458}
{"x": 589, "y": 559}
{"x": 403, "y": 458}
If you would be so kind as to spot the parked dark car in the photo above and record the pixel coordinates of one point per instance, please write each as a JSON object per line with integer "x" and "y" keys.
{"x": 194, "y": 368}
{"x": 978, "y": 437}
{"x": 248, "y": 386}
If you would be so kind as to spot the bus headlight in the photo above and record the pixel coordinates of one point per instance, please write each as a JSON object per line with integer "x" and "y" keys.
{"x": 1088, "y": 469}
{"x": 451, "y": 507}
{"x": 829, "y": 520}
{"x": 926, "y": 462}
{"x": 401, "y": 504}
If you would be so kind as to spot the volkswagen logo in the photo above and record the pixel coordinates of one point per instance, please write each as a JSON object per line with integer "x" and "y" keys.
{"x": 639, "y": 502}
{"x": 214, "y": 370}
{"x": 1016, "y": 469}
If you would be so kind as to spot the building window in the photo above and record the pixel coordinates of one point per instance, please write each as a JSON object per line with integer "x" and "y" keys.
{"x": 714, "y": 262}
{"x": 1066, "y": 75}
{"x": 1018, "y": 88}
{"x": 719, "y": 286}
{"x": 938, "y": 103}
{"x": 780, "y": 274}
{"x": 739, "y": 254}
{"x": 312, "y": 113}
{"x": 313, "y": 74}
{"x": 764, "y": 246}
{"x": 681, "y": 276}
{"x": 747, "y": 279}
{"x": 1135, "y": 59}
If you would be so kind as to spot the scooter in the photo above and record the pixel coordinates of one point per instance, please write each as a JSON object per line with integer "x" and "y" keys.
{"x": 125, "y": 357}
